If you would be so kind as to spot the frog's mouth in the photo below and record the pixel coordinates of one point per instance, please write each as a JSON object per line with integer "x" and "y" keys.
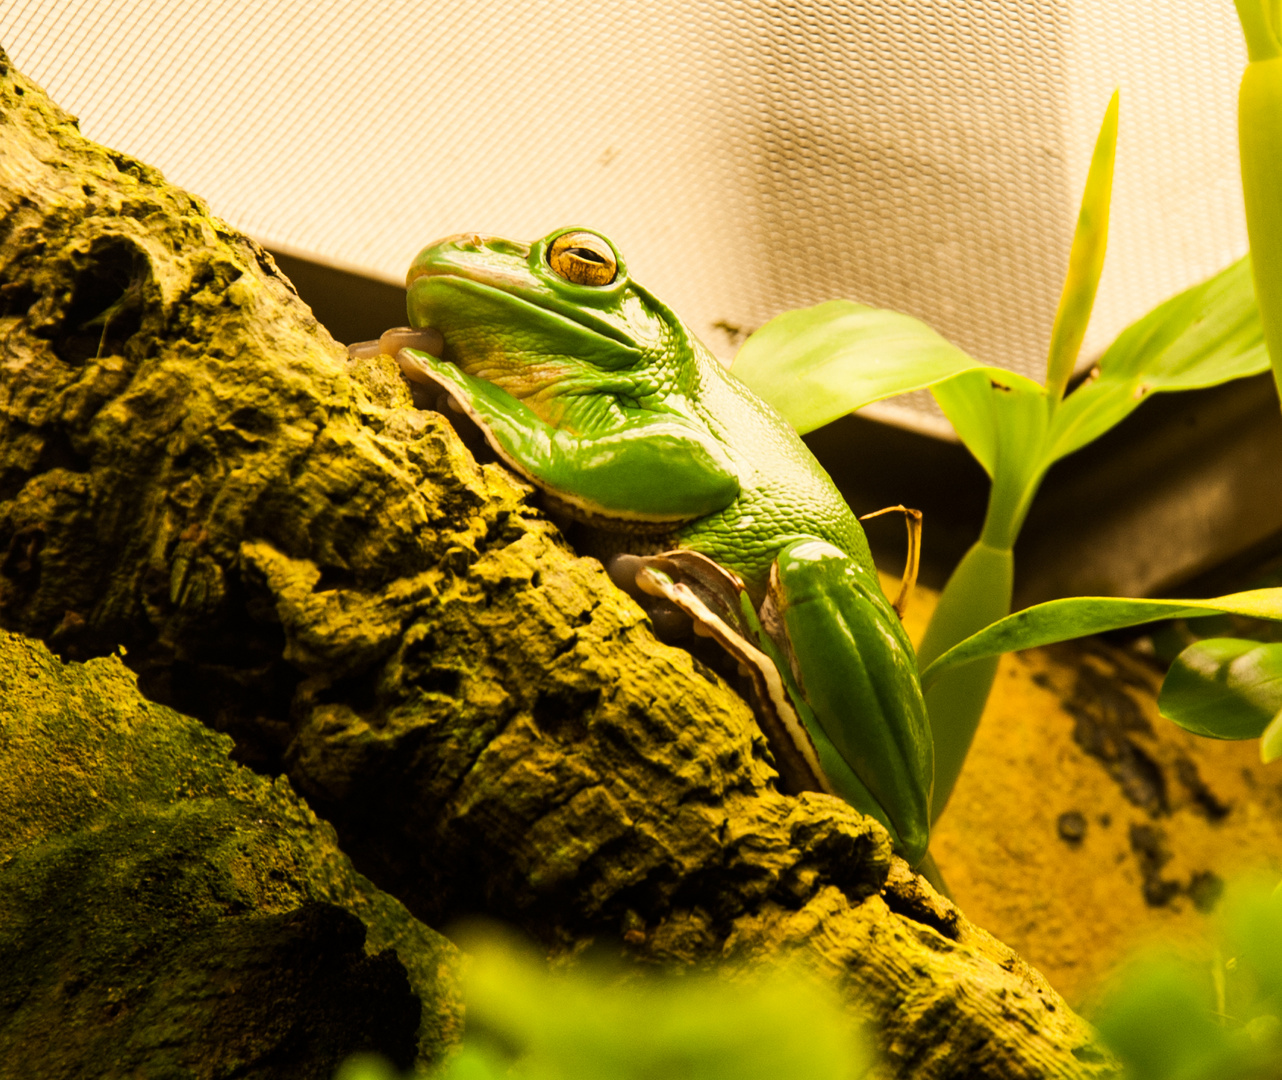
{"x": 433, "y": 290}
{"x": 506, "y": 283}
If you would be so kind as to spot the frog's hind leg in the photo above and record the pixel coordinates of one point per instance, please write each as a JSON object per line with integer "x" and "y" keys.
{"x": 856, "y": 670}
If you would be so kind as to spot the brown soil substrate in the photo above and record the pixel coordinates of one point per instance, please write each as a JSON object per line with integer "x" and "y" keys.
{"x": 1085, "y": 826}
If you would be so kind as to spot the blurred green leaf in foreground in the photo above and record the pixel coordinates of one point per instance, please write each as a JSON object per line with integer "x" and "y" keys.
{"x": 603, "y": 1022}
{"x": 1169, "y": 1018}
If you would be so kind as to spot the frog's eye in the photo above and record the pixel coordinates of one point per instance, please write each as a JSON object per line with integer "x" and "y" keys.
{"x": 583, "y": 258}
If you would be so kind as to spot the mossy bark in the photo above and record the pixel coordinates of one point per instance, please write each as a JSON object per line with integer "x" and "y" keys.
{"x": 164, "y": 911}
{"x": 295, "y": 555}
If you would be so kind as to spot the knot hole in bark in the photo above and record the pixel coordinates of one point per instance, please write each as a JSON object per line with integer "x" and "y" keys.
{"x": 106, "y": 304}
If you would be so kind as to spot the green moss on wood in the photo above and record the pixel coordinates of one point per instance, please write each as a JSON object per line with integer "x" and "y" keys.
{"x": 164, "y": 911}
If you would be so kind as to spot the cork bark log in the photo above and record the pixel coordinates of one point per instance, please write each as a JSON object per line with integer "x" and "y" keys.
{"x": 293, "y": 554}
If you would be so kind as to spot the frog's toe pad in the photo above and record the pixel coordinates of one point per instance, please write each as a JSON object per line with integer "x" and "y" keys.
{"x": 423, "y": 338}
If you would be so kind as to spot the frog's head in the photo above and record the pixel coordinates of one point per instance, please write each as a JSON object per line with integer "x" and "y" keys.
{"x": 552, "y": 323}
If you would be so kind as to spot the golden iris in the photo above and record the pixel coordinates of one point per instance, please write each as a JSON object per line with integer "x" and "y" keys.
{"x": 583, "y": 258}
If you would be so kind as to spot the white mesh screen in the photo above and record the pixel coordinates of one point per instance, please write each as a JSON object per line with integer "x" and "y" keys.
{"x": 746, "y": 156}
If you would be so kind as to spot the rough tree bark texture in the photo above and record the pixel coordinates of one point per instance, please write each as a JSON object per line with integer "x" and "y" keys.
{"x": 293, "y": 554}
{"x": 165, "y": 912}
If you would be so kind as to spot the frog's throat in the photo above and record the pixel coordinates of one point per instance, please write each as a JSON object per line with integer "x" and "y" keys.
{"x": 605, "y": 521}
{"x": 582, "y": 510}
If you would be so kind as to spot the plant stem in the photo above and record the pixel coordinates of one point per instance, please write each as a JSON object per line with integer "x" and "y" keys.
{"x": 977, "y": 593}
{"x": 1260, "y": 28}
{"x": 1260, "y": 146}
{"x": 1259, "y": 116}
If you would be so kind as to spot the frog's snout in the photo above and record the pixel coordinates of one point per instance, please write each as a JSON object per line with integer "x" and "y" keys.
{"x": 443, "y": 256}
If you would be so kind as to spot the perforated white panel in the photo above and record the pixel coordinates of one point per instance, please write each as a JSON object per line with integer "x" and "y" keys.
{"x": 746, "y": 156}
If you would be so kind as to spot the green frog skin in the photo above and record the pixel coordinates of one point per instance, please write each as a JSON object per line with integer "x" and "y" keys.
{"x": 592, "y": 389}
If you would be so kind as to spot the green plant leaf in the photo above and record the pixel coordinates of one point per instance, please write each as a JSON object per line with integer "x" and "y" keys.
{"x": 1206, "y": 335}
{"x": 1158, "y": 1022}
{"x": 1003, "y": 418}
{"x": 1224, "y": 688}
{"x": 1085, "y": 258}
{"x": 1252, "y": 920}
{"x": 1172, "y": 1016}
{"x": 1260, "y": 151}
{"x": 600, "y": 1020}
{"x": 819, "y": 363}
{"x": 1078, "y": 616}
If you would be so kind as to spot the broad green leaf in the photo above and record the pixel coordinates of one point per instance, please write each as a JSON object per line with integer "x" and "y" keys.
{"x": 1172, "y": 1015}
{"x": 1224, "y": 688}
{"x": 1078, "y": 616}
{"x": 1252, "y": 921}
{"x": 819, "y": 363}
{"x": 596, "y": 1021}
{"x": 1085, "y": 258}
{"x": 991, "y": 408}
{"x": 1158, "y": 1021}
{"x": 1206, "y": 335}
{"x": 1003, "y": 418}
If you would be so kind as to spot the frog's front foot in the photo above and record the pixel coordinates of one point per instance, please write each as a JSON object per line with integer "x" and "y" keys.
{"x": 671, "y": 624}
{"x": 392, "y": 341}
{"x": 714, "y": 601}
{"x": 426, "y": 391}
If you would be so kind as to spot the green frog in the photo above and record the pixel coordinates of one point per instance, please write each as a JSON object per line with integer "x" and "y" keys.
{"x": 592, "y": 389}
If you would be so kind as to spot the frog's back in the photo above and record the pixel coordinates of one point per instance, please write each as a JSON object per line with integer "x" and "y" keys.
{"x": 785, "y": 493}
